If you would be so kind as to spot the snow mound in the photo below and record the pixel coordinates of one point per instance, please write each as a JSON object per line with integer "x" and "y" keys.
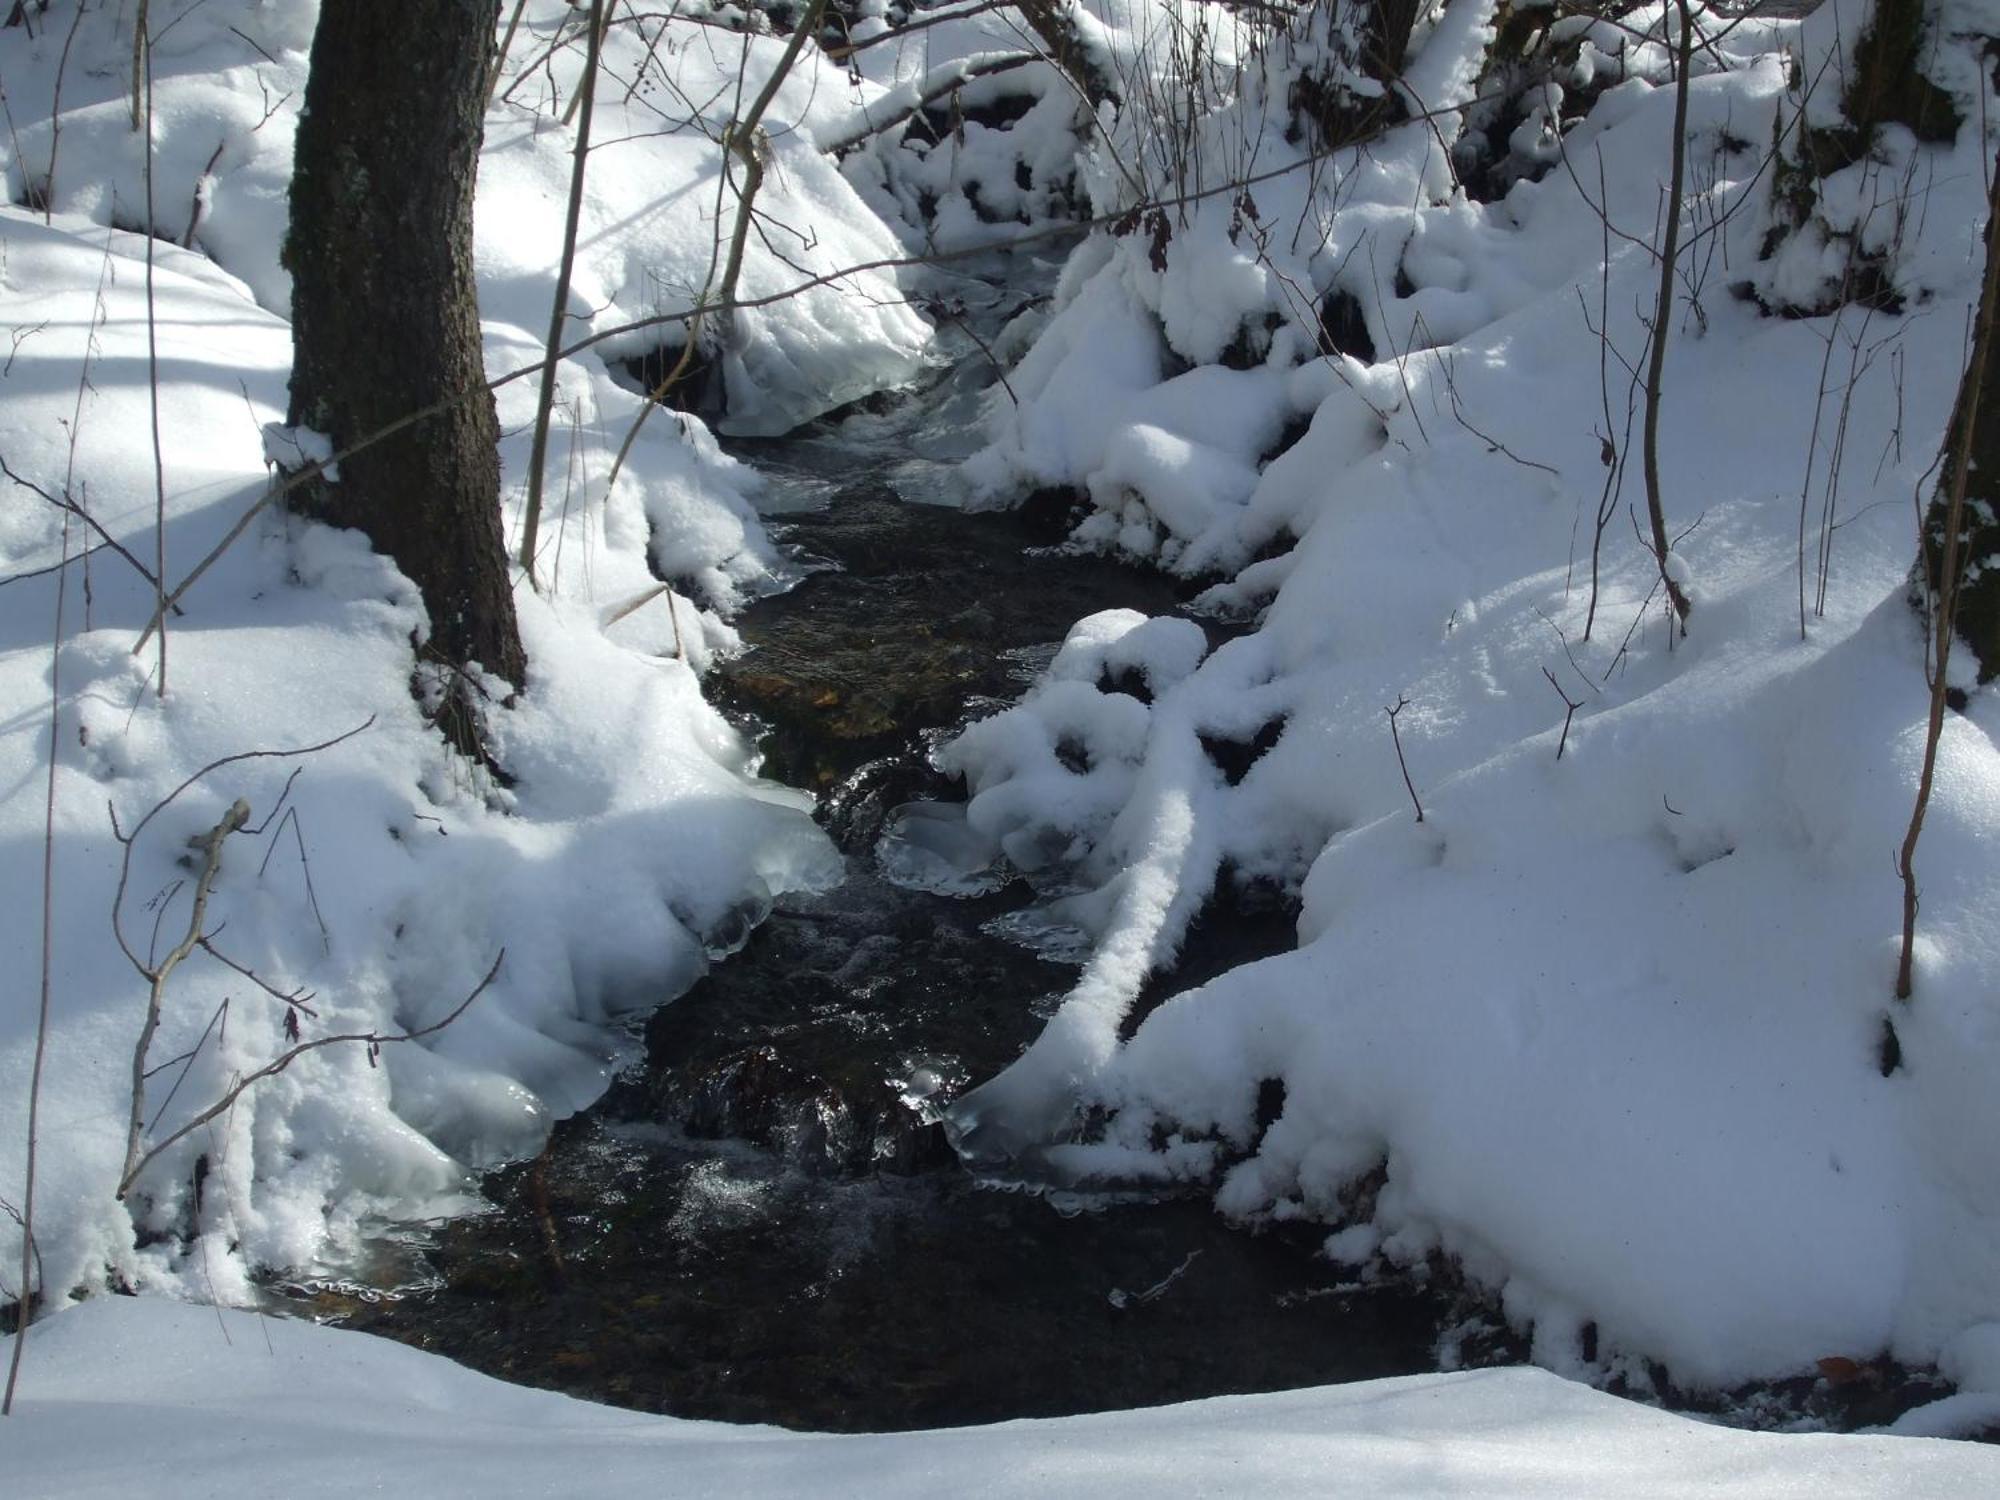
{"x": 123, "y": 1386}
{"x": 635, "y": 842}
{"x": 1597, "y": 923}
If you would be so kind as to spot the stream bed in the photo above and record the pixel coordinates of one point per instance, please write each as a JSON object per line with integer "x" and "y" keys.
{"x": 761, "y": 1220}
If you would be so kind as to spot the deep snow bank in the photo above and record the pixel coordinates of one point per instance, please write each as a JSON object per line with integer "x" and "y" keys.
{"x": 121, "y": 1388}
{"x": 1607, "y": 1028}
{"x": 635, "y": 843}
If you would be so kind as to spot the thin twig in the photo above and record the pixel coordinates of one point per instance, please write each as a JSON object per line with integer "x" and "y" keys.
{"x": 1397, "y": 739}
{"x": 1950, "y": 566}
{"x": 1663, "y": 312}
{"x": 187, "y": 1061}
{"x": 1570, "y": 706}
{"x": 299, "y": 999}
{"x": 374, "y": 1040}
{"x": 500, "y": 57}
{"x": 291, "y": 816}
{"x": 42, "y": 1010}
{"x": 55, "y": 119}
{"x": 539, "y": 448}
{"x": 128, "y": 840}
{"x": 153, "y": 360}
{"x": 64, "y": 503}
{"x": 210, "y": 845}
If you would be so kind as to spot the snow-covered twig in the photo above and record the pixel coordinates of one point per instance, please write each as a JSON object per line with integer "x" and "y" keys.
{"x": 210, "y": 845}
{"x": 869, "y": 120}
{"x": 128, "y": 840}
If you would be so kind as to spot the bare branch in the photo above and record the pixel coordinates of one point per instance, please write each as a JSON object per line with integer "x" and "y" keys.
{"x": 129, "y": 839}
{"x": 1570, "y": 706}
{"x": 210, "y": 845}
{"x": 1397, "y": 739}
{"x": 374, "y": 1040}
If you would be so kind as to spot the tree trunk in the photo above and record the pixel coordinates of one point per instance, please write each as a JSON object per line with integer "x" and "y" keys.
{"x": 1380, "y": 30}
{"x": 1975, "y": 588}
{"x": 1888, "y": 86}
{"x": 1053, "y": 23}
{"x": 385, "y": 317}
{"x": 1884, "y": 85}
{"x": 1387, "y": 47}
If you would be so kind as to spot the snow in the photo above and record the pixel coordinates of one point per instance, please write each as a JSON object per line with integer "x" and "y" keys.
{"x": 122, "y": 1392}
{"x": 226, "y": 106}
{"x": 636, "y": 843}
{"x": 1600, "y": 1030}
{"x": 1605, "y": 1027}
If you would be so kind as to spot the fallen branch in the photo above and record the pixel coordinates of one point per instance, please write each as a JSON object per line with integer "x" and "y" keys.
{"x": 944, "y": 80}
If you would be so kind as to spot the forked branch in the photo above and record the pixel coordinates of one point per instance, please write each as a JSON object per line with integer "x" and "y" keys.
{"x": 375, "y": 1040}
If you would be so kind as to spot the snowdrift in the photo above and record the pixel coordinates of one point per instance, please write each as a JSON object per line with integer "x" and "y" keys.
{"x": 635, "y": 843}
{"x": 121, "y": 1383}
{"x": 1597, "y": 1006}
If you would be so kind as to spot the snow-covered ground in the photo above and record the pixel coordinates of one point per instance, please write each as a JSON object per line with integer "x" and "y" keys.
{"x": 1605, "y": 1024}
{"x": 1604, "y": 1027}
{"x": 140, "y": 1394}
{"x": 636, "y": 843}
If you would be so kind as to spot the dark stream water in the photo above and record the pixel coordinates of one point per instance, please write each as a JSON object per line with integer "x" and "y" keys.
{"x": 761, "y": 1221}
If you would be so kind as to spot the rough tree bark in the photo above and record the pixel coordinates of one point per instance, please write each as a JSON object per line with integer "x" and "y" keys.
{"x": 385, "y": 316}
{"x": 1883, "y": 84}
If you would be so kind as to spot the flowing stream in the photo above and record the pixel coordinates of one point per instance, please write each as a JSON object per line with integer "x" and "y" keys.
{"x": 761, "y": 1220}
